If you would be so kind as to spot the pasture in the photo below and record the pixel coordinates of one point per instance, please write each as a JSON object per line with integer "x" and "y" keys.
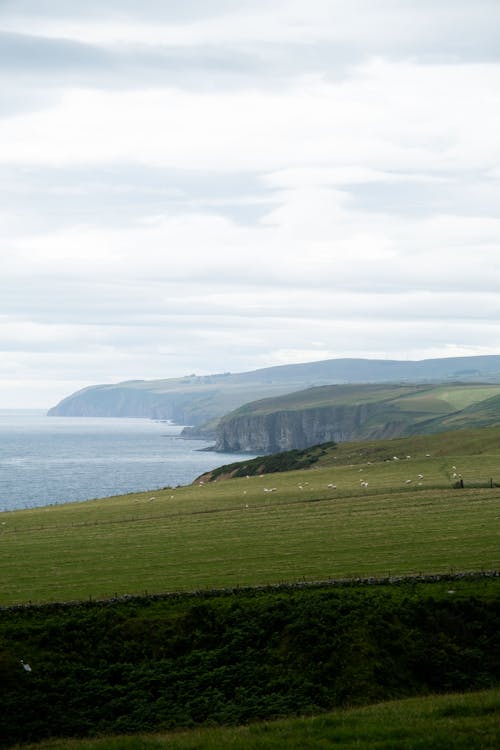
{"x": 364, "y": 510}
{"x": 460, "y": 721}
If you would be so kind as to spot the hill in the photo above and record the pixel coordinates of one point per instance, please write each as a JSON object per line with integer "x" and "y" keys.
{"x": 356, "y": 412}
{"x": 367, "y": 576}
{"x": 196, "y": 400}
{"x": 353, "y": 513}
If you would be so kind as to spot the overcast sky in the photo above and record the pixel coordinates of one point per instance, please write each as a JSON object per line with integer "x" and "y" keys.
{"x": 221, "y": 185}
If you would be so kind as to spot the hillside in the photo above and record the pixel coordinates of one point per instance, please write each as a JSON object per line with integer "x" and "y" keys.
{"x": 384, "y": 458}
{"x": 156, "y": 664}
{"x": 356, "y": 412}
{"x": 426, "y": 723}
{"x": 369, "y": 575}
{"x": 196, "y": 400}
{"x": 285, "y": 526}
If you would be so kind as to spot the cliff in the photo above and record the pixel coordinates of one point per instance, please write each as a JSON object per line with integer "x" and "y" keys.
{"x": 287, "y": 430}
{"x": 120, "y": 401}
{"x": 347, "y": 413}
{"x": 197, "y": 400}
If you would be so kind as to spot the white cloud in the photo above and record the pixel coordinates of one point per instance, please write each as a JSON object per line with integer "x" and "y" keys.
{"x": 367, "y": 184}
{"x": 389, "y": 117}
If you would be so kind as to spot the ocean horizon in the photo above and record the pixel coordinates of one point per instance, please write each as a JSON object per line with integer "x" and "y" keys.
{"x": 53, "y": 460}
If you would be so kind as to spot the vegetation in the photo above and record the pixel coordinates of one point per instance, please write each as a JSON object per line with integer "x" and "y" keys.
{"x": 311, "y": 524}
{"x": 467, "y": 721}
{"x": 203, "y": 400}
{"x": 388, "y": 409}
{"x": 279, "y": 637}
{"x": 156, "y": 663}
{"x": 277, "y": 462}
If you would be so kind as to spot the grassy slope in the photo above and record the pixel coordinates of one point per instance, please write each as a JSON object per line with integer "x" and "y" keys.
{"x": 467, "y": 721}
{"x": 235, "y": 533}
{"x": 205, "y": 536}
{"x": 421, "y": 408}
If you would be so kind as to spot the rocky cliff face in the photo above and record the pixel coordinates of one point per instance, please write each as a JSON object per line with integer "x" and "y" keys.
{"x": 287, "y": 430}
{"x": 126, "y": 402}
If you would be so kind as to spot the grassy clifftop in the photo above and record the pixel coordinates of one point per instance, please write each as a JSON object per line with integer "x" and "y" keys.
{"x": 356, "y": 412}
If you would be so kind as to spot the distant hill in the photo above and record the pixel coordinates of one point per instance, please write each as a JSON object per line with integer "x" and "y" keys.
{"x": 203, "y": 400}
{"x": 342, "y": 413}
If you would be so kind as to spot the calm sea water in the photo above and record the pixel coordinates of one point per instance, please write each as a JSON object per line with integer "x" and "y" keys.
{"x": 46, "y": 460}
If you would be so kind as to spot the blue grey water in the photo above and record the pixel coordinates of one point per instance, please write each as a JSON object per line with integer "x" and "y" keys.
{"x": 49, "y": 460}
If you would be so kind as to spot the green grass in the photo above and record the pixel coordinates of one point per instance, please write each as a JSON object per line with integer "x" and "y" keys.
{"x": 393, "y": 408}
{"x": 460, "y": 397}
{"x": 430, "y": 400}
{"x": 234, "y": 533}
{"x": 328, "y": 395}
{"x": 469, "y": 721}
{"x": 275, "y": 528}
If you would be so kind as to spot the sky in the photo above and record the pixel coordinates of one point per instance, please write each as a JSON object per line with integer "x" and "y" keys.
{"x": 222, "y": 185}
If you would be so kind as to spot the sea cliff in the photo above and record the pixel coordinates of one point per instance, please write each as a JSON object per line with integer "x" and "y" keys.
{"x": 287, "y": 430}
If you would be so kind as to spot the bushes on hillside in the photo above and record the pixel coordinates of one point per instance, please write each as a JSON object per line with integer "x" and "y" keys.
{"x": 148, "y": 664}
{"x": 276, "y": 462}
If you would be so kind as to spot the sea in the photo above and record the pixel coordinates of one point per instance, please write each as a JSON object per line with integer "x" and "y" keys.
{"x": 51, "y": 460}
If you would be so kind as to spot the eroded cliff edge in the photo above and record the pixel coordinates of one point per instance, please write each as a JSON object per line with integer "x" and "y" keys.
{"x": 287, "y": 430}
{"x": 341, "y": 413}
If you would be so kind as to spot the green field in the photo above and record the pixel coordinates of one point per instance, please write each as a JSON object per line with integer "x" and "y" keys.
{"x": 426, "y": 400}
{"x": 383, "y": 410}
{"x": 266, "y": 529}
{"x": 467, "y": 721}
{"x": 381, "y": 509}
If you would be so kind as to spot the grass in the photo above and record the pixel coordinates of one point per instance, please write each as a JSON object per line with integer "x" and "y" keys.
{"x": 310, "y": 525}
{"x": 394, "y": 409}
{"x": 235, "y": 533}
{"x": 469, "y": 721}
{"x": 460, "y": 397}
{"x": 328, "y": 395}
{"x": 429, "y": 400}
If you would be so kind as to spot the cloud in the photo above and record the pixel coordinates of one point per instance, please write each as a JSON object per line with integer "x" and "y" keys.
{"x": 226, "y": 185}
{"x": 391, "y": 117}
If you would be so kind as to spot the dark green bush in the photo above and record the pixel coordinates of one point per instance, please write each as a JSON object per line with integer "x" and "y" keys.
{"x": 276, "y": 462}
{"x": 231, "y": 657}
